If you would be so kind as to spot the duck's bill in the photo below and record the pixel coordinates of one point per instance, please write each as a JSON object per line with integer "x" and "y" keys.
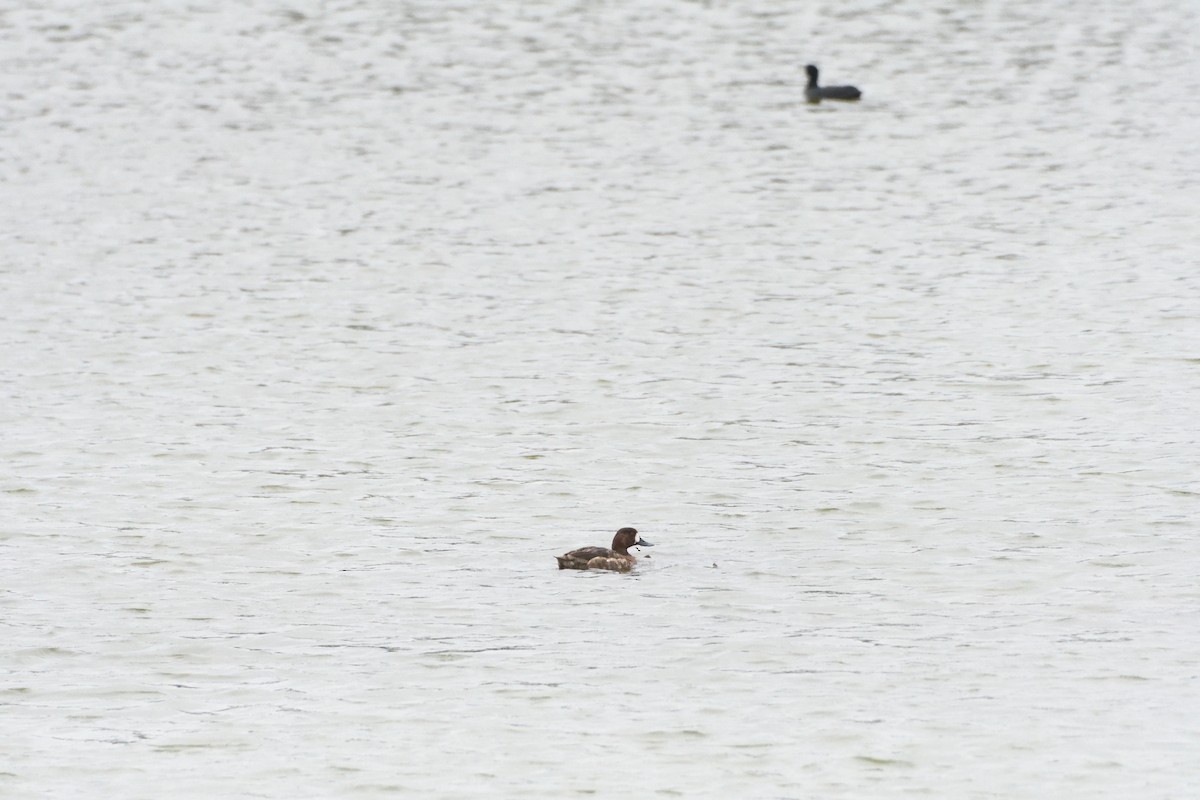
{"x": 642, "y": 543}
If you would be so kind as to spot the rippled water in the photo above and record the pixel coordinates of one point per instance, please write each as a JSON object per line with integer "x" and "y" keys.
{"x": 326, "y": 325}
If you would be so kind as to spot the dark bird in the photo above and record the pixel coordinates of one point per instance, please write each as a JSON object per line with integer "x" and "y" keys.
{"x": 815, "y": 94}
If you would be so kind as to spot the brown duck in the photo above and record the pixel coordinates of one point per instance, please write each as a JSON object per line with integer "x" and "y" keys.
{"x": 616, "y": 559}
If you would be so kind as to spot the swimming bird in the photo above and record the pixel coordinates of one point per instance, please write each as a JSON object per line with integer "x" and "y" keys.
{"x": 815, "y": 94}
{"x": 616, "y": 559}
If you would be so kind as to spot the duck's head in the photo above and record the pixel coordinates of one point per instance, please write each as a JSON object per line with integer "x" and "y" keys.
{"x": 812, "y": 73}
{"x": 627, "y": 538}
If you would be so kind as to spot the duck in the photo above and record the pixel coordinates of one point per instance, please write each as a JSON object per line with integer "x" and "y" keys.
{"x": 616, "y": 559}
{"x": 815, "y": 94}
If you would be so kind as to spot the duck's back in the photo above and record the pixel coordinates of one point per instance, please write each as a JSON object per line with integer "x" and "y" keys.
{"x": 840, "y": 93}
{"x": 595, "y": 558}
{"x": 586, "y": 554}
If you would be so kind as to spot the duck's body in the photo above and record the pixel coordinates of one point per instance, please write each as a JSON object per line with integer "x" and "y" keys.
{"x": 615, "y": 559}
{"x": 815, "y": 94}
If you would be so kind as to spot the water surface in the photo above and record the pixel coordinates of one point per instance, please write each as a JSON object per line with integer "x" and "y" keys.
{"x": 327, "y": 325}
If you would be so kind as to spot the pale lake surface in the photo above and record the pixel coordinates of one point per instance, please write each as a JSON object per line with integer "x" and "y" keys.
{"x": 326, "y": 325}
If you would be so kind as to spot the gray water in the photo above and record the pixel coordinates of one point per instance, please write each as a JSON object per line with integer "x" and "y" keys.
{"x": 326, "y": 325}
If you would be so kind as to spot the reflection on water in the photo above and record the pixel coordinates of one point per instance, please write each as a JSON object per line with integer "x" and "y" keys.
{"x": 326, "y": 328}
